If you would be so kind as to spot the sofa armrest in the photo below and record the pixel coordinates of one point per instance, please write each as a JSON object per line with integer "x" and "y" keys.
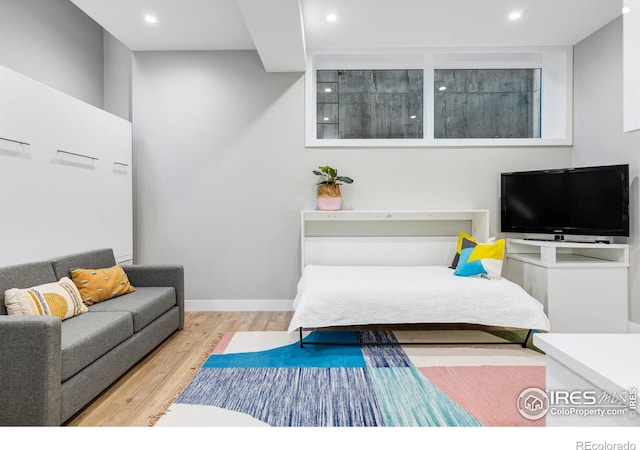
{"x": 30, "y": 364}
{"x": 159, "y": 275}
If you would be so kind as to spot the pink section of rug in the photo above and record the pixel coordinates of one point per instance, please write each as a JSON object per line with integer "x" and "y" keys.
{"x": 490, "y": 393}
{"x": 222, "y": 344}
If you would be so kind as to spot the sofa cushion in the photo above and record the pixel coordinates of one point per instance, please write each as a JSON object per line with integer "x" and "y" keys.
{"x": 94, "y": 259}
{"x": 87, "y": 337}
{"x": 61, "y": 299}
{"x": 145, "y": 304}
{"x": 22, "y": 276}
{"x": 97, "y": 285}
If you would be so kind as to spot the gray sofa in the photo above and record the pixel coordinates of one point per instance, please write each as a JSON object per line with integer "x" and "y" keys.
{"x": 50, "y": 369}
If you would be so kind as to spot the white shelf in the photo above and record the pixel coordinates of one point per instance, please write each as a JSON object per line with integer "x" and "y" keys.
{"x": 375, "y": 215}
{"x": 391, "y": 237}
{"x": 568, "y": 254}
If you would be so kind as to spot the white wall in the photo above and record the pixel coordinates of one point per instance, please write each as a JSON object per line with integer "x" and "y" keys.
{"x": 221, "y": 172}
{"x": 599, "y": 138}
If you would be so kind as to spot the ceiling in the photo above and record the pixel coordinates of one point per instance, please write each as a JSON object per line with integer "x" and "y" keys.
{"x": 282, "y": 31}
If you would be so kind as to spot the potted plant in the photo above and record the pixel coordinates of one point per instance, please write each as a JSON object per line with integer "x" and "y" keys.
{"x": 329, "y": 195}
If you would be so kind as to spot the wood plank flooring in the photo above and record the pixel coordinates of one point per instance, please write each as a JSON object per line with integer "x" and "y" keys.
{"x": 146, "y": 390}
{"x": 143, "y": 391}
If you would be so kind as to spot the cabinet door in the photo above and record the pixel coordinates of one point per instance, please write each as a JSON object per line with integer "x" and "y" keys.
{"x": 73, "y": 192}
{"x": 20, "y": 173}
{"x": 118, "y": 187}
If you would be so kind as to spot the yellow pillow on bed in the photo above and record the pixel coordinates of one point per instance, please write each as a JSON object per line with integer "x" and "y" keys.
{"x": 463, "y": 239}
{"x": 481, "y": 260}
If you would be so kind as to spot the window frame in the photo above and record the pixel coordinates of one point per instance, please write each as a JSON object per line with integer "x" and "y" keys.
{"x": 556, "y": 90}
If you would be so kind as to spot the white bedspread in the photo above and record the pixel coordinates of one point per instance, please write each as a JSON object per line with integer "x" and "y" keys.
{"x": 366, "y": 295}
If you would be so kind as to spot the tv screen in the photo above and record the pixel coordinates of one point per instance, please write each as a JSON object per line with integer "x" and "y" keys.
{"x": 580, "y": 201}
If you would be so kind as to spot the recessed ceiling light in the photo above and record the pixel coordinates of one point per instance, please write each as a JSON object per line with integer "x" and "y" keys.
{"x": 412, "y": 117}
{"x": 150, "y": 19}
{"x": 326, "y": 118}
{"x": 442, "y": 88}
{"x": 332, "y": 18}
{"x": 515, "y": 15}
{"x": 327, "y": 90}
{"x": 625, "y": 10}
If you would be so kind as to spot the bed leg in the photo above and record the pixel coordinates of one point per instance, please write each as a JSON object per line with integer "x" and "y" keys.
{"x": 524, "y": 344}
{"x": 301, "y": 343}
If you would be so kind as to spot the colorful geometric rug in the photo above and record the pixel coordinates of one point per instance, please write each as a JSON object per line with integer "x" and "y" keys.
{"x": 266, "y": 379}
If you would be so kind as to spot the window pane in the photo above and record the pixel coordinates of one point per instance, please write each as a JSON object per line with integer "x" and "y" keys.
{"x": 487, "y": 103}
{"x": 369, "y": 104}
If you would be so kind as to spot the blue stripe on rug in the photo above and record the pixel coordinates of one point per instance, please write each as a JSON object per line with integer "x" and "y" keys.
{"x": 383, "y": 355}
{"x": 292, "y": 397}
{"x": 294, "y": 356}
{"x": 408, "y": 399}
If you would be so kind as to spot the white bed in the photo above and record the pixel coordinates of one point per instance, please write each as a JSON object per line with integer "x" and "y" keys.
{"x": 391, "y": 268}
{"x": 365, "y": 295}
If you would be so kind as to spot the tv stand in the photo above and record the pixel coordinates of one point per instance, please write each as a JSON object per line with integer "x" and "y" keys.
{"x": 582, "y": 286}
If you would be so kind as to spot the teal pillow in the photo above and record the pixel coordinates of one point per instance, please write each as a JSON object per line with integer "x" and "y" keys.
{"x": 466, "y": 268}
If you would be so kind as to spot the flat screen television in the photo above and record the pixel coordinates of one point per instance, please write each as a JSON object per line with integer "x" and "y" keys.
{"x": 580, "y": 201}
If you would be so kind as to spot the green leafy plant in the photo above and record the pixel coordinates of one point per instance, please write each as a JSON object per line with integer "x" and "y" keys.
{"x": 330, "y": 176}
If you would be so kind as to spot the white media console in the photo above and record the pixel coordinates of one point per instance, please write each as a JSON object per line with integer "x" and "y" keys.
{"x": 583, "y": 286}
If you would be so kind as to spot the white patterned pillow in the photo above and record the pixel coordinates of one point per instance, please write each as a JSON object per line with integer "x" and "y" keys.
{"x": 61, "y": 299}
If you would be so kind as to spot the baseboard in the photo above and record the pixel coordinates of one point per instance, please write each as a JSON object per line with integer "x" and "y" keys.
{"x": 238, "y": 305}
{"x": 633, "y": 327}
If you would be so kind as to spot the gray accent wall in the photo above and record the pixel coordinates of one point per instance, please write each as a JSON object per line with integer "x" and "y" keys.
{"x": 54, "y": 42}
{"x": 599, "y": 138}
{"x": 117, "y": 77}
{"x": 222, "y": 173}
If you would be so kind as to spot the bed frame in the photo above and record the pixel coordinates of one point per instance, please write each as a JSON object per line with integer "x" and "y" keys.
{"x": 523, "y": 344}
{"x": 380, "y": 237}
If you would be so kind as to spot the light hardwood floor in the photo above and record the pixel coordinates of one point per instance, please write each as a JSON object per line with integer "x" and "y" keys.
{"x": 145, "y": 390}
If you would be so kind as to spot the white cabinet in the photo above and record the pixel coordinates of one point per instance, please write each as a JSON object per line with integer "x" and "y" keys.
{"x": 20, "y": 168}
{"x": 582, "y": 286}
{"x": 73, "y": 191}
{"x": 118, "y": 201}
{"x": 60, "y": 192}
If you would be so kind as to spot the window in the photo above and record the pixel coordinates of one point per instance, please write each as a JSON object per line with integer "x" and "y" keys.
{"x": 503, "y": 97}
{"x": 486, "y": 103}
{"x": 369, "y": 104}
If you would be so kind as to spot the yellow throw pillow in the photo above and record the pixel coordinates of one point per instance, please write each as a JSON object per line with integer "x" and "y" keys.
{"x": 97, "y": 285}
{"x": 60, "y": 299}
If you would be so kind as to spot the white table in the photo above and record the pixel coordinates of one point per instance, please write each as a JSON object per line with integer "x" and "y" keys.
{"x": 584, "y": 364}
